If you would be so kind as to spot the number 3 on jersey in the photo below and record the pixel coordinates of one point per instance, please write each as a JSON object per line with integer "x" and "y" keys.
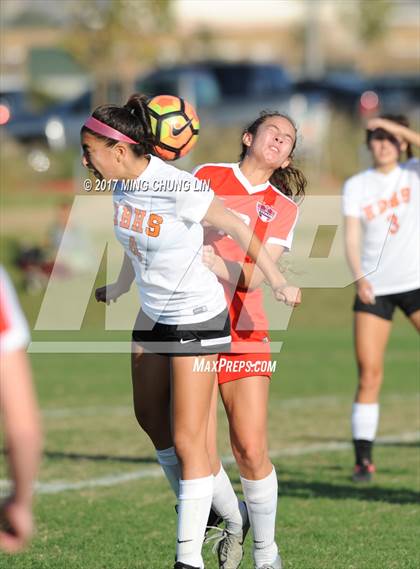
{"x": 393, "y": 223}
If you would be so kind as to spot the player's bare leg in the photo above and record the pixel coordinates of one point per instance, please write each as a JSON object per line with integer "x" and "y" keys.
{"x": 415, "y": 319}
{"x": 151, "y": 395}
{"x": 371, "y": 335}
{"x": 246, "y": 403}
{"x": 191, "y": 398}
{"x": 212, "y": 432}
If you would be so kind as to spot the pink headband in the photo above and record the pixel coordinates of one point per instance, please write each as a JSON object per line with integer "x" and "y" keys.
{"x": 105, "y": 130}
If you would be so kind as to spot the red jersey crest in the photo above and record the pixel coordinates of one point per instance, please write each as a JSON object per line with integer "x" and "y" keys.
{"x": 265, "y": 212}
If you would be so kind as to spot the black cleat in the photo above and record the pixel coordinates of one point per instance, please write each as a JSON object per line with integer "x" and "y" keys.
{"x": 213, "y": 521}
{"x": 363, "y": 472}
{"x": 180, "y": 565}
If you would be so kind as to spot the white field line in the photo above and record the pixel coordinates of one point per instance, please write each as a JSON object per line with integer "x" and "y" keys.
{"x": 102, "y": 347}
{"x": 156, "y": 472}
{"x": 122, "y": 410}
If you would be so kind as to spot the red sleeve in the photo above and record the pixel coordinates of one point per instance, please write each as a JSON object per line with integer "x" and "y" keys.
{"x": 280, "y": 230}
{"x": 203, "y": 172}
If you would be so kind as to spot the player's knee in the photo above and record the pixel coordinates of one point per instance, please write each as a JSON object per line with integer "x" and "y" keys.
{"x": 370, "y": 377}
{"x": 251, "y": 454}
{"x": 187, "y": 443}
{"x": 147, "y": 420}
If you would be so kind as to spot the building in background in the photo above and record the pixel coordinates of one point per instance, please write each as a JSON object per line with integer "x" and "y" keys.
{"x": 307, "y": 36}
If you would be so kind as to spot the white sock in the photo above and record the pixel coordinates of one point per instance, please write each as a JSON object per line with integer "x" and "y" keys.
{"x": 261, "y": 500}
{"x": 194, "y": 504}
{"x": 169, "y": 462}
{"x": 226, "y": 504}
{"x": 364, "y": 421}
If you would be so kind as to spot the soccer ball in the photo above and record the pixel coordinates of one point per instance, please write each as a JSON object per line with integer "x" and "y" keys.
{"x": 175, "y": 125}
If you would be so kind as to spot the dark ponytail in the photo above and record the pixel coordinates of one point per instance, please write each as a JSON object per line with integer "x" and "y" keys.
{"x": 290, "y": 180}
{"x": 132, "y": 119}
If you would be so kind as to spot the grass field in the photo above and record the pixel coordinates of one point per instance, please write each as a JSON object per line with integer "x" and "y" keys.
{"x": 119, "y": 513}
{"x": 103, "y": 504}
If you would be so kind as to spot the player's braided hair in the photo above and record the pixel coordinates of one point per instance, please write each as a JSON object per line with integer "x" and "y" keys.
{"x": 132, "y": 119}
{"x": 290, "y": 180}
{"x": 399, "y": 119}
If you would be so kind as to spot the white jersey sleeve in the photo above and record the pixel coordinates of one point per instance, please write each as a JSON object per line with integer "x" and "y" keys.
{"x": 194, "y": 199}
{"x": 351, "y": 203}
{"x": 14, "y": 331}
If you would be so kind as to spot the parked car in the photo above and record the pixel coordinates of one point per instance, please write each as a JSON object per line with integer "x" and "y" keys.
{"x": 227, "y": 93}
{"x": 398, "y": 94}
{"x": 224, "y": 94}
{"x": 58, "y": 126}
{"x": 341, "y": 88}
{"x": 12, "y": 102}
{"x": 214, "y": 84}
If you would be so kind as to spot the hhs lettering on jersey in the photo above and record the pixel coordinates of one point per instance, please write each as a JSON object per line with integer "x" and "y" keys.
{"x": 133, "y": 219}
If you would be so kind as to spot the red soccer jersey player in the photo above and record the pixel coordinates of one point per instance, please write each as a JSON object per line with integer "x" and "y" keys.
{"x": 272, "y": 216}
{"x": 259, "y": 190}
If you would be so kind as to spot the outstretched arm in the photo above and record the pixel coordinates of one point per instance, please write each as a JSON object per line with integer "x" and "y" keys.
{"x": 396, "y": 129}
{"x": 242, "y": 274}
{"x": 221, "y": 218}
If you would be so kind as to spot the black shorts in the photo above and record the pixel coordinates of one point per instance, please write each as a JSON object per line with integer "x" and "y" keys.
{"x": 201, "y": 338}
{"x": 385, "y": 305}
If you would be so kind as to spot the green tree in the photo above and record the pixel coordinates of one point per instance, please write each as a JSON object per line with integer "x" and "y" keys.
{"x": 373, "y": 18}
{"x": 115, "y": 38}
{"x": 368, "y": 19}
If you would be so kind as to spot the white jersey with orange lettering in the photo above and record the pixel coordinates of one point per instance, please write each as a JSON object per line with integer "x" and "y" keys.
{"x": 157, "y": 220}
{"x": 388, "y": 206}
{"x": 14, "y": 331}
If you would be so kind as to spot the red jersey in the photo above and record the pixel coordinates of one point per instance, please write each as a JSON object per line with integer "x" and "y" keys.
{"x": 14, "y": 332}
{"x": 272, "y": 217}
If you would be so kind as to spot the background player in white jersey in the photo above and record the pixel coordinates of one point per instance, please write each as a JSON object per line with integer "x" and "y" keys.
{"x": 381, "y": 209}
{"x": 20, "y": 418}
{"x": 183, "y": 305}
{"x": 262, "y": 189}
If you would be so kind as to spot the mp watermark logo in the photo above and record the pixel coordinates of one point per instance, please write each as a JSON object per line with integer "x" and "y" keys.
{"x": 317, "y": 260}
